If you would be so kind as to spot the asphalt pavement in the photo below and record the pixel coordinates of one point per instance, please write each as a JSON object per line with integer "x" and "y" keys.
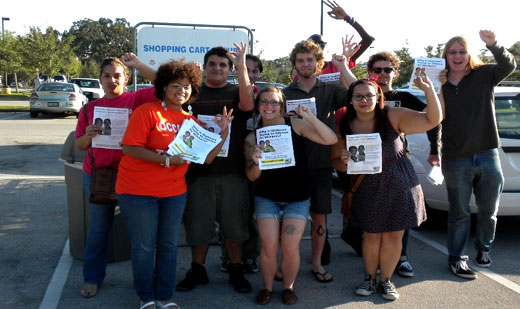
{"x": 37, "y": 270}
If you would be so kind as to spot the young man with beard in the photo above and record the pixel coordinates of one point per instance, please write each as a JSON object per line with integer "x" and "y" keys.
{"x": 307, "y": 59}
{"x": 219, "y": 192}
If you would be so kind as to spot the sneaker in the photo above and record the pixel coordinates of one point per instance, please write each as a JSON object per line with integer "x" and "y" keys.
{"x": 461, "y": 269}
{"x": 483, "y": 259}
{"x": 224, "y": 267}
{"x": 388, "y": 290}
{"x": 237, "y": 279}
{"x": 404, "y": 269}
{"x": 367, "y": 288}
{"x": 196, "y": 275}
{"x": 250, "y": 265}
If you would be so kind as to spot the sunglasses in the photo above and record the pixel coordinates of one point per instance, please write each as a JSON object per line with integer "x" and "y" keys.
{"x": 387, "y": 70}
{"x": 454, "y": 52}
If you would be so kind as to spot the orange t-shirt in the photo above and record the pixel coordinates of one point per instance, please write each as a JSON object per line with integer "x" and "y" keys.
{"x": 153, "y": 128}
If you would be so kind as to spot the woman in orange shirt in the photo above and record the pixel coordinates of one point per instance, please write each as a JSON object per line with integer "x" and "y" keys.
{"x": 151, "y": 186}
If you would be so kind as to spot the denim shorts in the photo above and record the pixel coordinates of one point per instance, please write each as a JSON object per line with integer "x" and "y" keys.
{"x": 268, "y": 209}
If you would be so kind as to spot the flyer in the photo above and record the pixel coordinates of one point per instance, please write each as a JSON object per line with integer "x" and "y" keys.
{"x": 213, "y": 127}
{"x": 329, "y": 77}
{"x": 113, "y": 123}
{"x": 431, "y": 67}
{"x": 365, "y": 154}
{"x": 291, "y": 106}
{"x": 275, "y": 142}
{"x": 193, "y": 142}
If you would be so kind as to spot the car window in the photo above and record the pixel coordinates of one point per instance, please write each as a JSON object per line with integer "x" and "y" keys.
{"x": 56, "y": 87}
{"x": 508, "y": 116}
{"x": 86, "y": 83}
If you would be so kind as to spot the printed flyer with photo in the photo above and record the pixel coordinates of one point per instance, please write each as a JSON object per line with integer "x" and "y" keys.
{"x": 113, "y": 123}
{"x": 430, "y": 67}
{"x": 213, "y": 127}
{"x": 275, "y": 142}
{"x": 291, "y": 106}
{"x": 193, "y": 142}
{"x": 329, "y": 77}
{"x": 365, "y": 154}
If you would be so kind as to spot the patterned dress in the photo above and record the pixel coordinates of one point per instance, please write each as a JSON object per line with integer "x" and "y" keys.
{"x": 392, "y": 200}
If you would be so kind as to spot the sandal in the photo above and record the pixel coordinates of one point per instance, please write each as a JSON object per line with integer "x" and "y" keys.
{"x": 322, "y": 279}
{"x": 147, "y": 305}
{"x": 89, "y": 290}
{"x": 167, "y": 304}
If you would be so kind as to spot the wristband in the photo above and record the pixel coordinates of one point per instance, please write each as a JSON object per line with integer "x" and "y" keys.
{"x": 350, "y": 20}
{"x": 167, "y": 162}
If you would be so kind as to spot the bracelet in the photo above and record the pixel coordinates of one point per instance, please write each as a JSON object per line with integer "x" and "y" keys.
{"x": 167, "y": 162}
{"x": 350, "y": 20}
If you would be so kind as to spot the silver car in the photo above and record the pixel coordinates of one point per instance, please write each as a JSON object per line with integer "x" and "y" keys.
{"x": 91, "y": 87}
{"x": 57, "y": 98}
{"x": 507, "y": 109}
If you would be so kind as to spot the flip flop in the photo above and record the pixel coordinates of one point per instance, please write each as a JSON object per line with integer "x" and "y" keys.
{"x": 322, "y": 280}
{"x": 170, "y": 304}
{"x": 143, "y": 306}
{"x": 89, "y": 290}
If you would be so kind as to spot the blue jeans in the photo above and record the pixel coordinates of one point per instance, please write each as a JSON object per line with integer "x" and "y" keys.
{"x": 95, "y": 255}
{"x": 269, "y": 209}
{"x": 153, "y": 225}
{"x": 482, "y": 175}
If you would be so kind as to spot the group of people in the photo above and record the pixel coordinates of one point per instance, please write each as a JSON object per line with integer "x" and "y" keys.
{"x": 260, "y": 212}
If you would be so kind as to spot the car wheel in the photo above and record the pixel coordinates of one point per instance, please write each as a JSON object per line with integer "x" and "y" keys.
{"x": 34, "y": 114}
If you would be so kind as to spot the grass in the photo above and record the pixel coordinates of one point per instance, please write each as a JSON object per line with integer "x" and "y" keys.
{"x": 16, "y": 95}
{"x": 14, "y": 107}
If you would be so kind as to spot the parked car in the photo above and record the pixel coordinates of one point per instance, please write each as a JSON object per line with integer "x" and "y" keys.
{"x": 91, "y": 87}
{"x": 20, "y": 84}
{"x": 60, "y": 78}
{"x": 57, "y": 98}
{"x": 507, "y": 108}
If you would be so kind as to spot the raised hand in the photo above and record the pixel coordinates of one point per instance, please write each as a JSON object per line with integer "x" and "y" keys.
{"x": 488, "y": 37}
{"x": 130, "y": 60}
{"x": 423, "y": 83}
{"x": 223, "y": 120}
{"x": 338, "y": 60}
{"x": 304, "y": 112}
{"x": 238, "y": 58}
{"x": 337, "y": 11}
{"x": 349, "y": 47}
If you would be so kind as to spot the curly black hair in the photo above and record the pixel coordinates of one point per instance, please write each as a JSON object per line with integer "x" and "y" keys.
{"x": 175, "y": 70}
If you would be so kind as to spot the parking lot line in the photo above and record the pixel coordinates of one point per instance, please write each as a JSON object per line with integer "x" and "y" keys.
{"x": 484, "y": 271}
{"x": 52, "y": 296}
{"x": 29, "y": 177}
{"x": 15, "y": 116}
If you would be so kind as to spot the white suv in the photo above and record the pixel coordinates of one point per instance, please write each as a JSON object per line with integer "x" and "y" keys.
{"x": 507, "y": 107}
{"x": 91, "y": 87}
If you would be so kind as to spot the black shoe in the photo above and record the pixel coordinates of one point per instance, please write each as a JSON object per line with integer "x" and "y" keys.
{"x": 237, "y": 279}
{"x": 354, "y": 238}
{"x": 250, "y": 266}
{"x": 483, "y": 259}
{"x": 325, "y": 254}
{"x": 196, "y": 275}
{"x": 461, "y": 269}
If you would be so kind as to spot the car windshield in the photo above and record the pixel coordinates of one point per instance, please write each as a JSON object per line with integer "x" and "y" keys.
{"x": 508, "y": 116}
{"x": 56, "y": 87}
{"x": 86, "y": 83}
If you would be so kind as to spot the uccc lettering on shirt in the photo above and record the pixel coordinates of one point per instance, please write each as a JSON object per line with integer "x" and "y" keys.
{"x": 166, "y": 126}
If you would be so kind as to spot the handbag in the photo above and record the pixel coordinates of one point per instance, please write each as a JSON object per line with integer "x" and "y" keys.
{"x": 346, "y": 200}
{"x": 103, "y": 181}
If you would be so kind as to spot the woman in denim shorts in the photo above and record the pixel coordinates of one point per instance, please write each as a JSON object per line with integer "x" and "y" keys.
{"x": 281, "y": 194}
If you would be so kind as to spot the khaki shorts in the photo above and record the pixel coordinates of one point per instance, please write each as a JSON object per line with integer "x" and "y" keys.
{"x": 221, "y": 198}
{"x": 320, "y": 181}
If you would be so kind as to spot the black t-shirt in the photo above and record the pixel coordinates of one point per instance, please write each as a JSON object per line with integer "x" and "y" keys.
{"x": 329, "y": 98}
{"x": 211, "y": 101}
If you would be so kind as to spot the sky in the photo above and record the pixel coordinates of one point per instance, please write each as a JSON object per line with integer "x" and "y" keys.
{"x": 280, "y": 24}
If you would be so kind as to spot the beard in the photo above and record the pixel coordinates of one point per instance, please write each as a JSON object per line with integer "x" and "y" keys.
{"x": 306, "y": 74}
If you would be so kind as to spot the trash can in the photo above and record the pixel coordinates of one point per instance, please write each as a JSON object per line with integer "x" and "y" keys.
{"x": 78, "y": 210}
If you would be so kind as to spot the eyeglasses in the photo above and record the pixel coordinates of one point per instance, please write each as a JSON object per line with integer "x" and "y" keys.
{"x": 455, "y": 52}
{"x": 387, "y": 70}
{"x": 177, "y": 87}
{"x": 272, "y": 103}
{"x": 360, "y": 97}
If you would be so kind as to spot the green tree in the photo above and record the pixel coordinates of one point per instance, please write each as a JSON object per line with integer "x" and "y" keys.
{"x": 96, "y": 40}
{"x": 437, "y": 53}
{"x": 48, "y": 53}
{"x": 10, "y": 59}
{"x": 515, "y": 50}
{"x": 406, "y": 67}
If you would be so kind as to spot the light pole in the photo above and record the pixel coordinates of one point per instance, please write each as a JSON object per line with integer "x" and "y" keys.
{"x": 3, "y": 39}
{"x": 321, "y": 18}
